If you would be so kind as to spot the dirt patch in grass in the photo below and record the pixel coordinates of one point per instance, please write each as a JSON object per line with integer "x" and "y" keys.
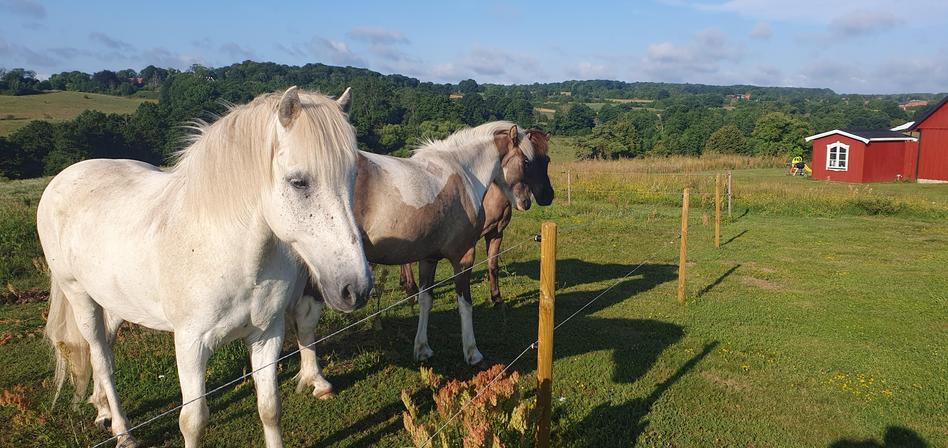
{"x": 23, "y": 297}
{"x": 759, "y": 283}
{"x": 731, "y": 384}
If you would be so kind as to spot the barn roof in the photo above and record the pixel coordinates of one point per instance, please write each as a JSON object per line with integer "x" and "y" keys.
{"x": 929, "y": 113}
{"x": 866, "y": 135}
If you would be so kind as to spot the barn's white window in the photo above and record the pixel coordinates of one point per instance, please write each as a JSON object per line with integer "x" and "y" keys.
{"x": 837, "y": 156}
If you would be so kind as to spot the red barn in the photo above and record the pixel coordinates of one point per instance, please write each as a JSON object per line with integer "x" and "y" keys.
{"x": 863, "y": 155}
{"x": 932, "y": 148}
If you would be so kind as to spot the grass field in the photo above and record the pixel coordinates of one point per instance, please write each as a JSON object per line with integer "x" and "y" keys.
{"x": 17, "y": 111}
{"x": 819, "y": 322}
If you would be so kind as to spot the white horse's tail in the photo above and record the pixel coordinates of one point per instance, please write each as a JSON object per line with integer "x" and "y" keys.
{"x": 71, "y": 349}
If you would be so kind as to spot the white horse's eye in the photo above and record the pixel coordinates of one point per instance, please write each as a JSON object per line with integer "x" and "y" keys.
{"x": 299, "y": 184}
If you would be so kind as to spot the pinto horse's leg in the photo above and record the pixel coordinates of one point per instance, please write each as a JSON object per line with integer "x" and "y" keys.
{"x": 407, "y": 279}
{"x": 493, "y": 241}
{"x": 191, "y": 355}
{"x": 91, "y": 320}
{"x": 103, "y": 417}
{"x": 264, "y": 351}
{"x": 426, "y": 276}
{"x": 462, "y": 285}
{"x": 306, "y": 315}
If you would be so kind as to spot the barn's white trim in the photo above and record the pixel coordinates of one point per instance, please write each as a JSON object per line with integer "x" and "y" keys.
{"x": 861, "y": 138}
{"x": 842, "y": 155}
{"x": 903, "y": 126}
{"x": 837, "y": 131}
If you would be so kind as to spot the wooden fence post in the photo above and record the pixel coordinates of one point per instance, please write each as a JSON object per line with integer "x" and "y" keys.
{"x": 569, "y": 187}
{"x": 717, "y": 210}
{"x": 545, "y": 332}
{"x": 728, "y": 194}
{"x": 683, "y": 254}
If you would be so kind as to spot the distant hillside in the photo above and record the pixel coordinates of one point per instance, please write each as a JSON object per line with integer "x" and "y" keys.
{"x": 17, "y": 111}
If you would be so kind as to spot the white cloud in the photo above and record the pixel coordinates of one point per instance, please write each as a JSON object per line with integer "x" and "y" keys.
{"x": 489, "y": 65}
{"x": 590, "y": 70}
{"x": 694, "y": 60}
{"x": 27, "y": 8}
{"x": 163, "y": 57}
{"x": 110, "y": 42}
{"x": 235, "y": 51}
{"x": 863, "y": 22}
{"x": 762, "y": 30}
{"x": 377, "y": 35}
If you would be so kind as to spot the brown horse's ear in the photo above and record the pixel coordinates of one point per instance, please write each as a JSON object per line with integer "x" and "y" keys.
{"x": 514, "y": 134}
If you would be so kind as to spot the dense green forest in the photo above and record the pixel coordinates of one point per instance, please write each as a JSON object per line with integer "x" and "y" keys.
{"x": 391, "y": 113}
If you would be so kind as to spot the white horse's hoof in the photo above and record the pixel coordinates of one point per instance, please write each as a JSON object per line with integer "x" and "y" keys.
{"x": 423, "y": 353}
{"x": 475, "y": 357}
{"x": 322, "y": 390}
{"x": 127, "y": 441}
{"x": 103, "y": 423}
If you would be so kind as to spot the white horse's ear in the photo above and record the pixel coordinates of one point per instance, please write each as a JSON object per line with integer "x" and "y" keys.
{"x": 345, "y": 100}
{"x": 290, "y": 106}
{"x": 514, "y": 134}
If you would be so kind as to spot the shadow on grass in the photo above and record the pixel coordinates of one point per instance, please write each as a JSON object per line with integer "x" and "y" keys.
{"x": 572, "y": 272}
{"x": 502, "y": 334}
{"x": 734, "y": 237}
{"x": 895, "y": 436}
{"x": 622, "y": 424}
{"x": 718, "y": 281}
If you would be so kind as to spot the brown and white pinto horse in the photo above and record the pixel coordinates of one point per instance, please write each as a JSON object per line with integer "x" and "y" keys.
{"x": 497, "y": 213}
{"x": 422, "y": 209}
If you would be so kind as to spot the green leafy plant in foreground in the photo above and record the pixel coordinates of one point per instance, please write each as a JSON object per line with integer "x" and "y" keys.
{"x": 497, "y": 418}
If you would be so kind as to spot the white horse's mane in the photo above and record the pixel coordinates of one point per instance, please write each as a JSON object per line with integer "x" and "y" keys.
{"x": 478, "y": 134}
{"x": 227, "y": 164}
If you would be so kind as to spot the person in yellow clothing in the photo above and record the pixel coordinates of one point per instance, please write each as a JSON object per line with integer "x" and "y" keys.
{"x": 799, "y": 168}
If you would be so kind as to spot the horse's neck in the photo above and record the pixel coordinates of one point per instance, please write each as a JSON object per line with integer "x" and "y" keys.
{"x": 478, "y": 164}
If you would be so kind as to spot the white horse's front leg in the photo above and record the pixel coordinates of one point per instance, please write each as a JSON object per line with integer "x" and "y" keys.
{"x": 306, "y": 314}
{"x": 426, "y": 275}
{"x": 191, "y": 355}
{"x": 264, "y": 351}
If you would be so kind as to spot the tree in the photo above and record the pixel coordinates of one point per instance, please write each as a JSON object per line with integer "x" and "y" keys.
{"x": 610, "y": 141}
{"x": 468, "y": 86}
{"x": 520, "y": 111}
{"x": 578, "y": 119}
{"x": 473, "y": 109}
{"x": 27, "y": 149}
{"x": 728, "y": 139}
{"x": 778, "y": 133}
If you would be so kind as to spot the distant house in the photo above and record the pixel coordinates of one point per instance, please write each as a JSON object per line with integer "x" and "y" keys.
{"x": 913, "y": 103}
{"x": 863, "y": 155}
{"x": 932, "y": 148}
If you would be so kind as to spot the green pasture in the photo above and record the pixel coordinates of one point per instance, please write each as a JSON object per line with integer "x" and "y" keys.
{"x": 17, "y": 111}
{"x": 819, "y": 322}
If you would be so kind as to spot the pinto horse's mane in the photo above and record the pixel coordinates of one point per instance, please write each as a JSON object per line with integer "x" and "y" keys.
{"x": 470, "y": 136}
{"x": 227, "y": 164}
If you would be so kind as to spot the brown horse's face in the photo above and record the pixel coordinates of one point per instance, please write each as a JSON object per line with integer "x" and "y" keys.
{"x": 536, "y": 170}
{"x": 514, "y": 166}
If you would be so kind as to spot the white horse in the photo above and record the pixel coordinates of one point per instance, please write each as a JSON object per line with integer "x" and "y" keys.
{"x": 210, "y": 250}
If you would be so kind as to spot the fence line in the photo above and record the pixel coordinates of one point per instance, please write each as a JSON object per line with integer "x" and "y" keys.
{"x": 404, "y": 300}
{"x": 294, "y": 352}
{"x": 534, "y": 344}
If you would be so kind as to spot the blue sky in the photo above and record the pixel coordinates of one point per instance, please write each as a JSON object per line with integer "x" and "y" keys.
{"x": 851, "y": 46}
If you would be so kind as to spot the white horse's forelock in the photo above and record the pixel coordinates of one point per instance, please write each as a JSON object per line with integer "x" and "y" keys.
{"x": 482, "y": 132}
{"x": 227, "y": 164}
